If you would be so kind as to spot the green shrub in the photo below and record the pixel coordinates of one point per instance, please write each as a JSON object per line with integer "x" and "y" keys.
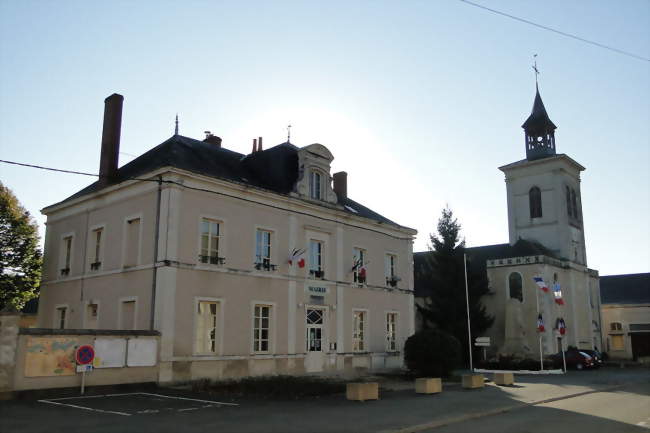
{"x": 432, "y": 353}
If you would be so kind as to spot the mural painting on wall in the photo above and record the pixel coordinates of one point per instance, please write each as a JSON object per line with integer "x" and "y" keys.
{"x": 50, "y": 356}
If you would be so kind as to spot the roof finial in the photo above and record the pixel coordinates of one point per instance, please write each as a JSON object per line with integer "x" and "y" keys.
{"x": 535, "y": 68}
{"x": 289, "y": 133}
{"x": 176, "y": 128}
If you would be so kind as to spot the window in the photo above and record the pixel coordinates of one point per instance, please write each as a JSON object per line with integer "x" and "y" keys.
{"x": 132, "y": 242}
{"x": 359, "y": 331}
{"x": 210, "y": 237}
{"x": 127, "y": 314}
{"x": 263, "y": 250}
{"x": 97, "y": 261}
{"x": 316, "y": 259}
{"x": 359, "y": 267}
{"x": 92, "y": 314}
{"x": 574, "y": 203}
{"x": 206, "y": 327}
{"x": 616, "y": 326}
{"x": 261, "y": 327}
{"x": 315, "y": 185}
{"x": 315, "y": 329}
{"x": 391, "y": 332}
{"x": 535, "y": 201}
{"x": 67, "y": 255}
{"x": 618, "y": 342}
{"x": 514, "y": 284}
{"x": 61, "y": 315}
{"x": 390, "y": 262}
{"x": 569, "y": 209}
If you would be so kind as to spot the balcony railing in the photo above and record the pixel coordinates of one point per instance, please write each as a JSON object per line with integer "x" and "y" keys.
{"x": 212, "y": 260}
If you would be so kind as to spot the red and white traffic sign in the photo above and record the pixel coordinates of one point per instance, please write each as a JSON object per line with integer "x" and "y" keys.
{"x": 85, "y": 354}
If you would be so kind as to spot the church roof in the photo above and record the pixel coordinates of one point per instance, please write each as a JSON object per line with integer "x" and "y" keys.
{"x": 274, "y": 169}
{"x": 625, "y": 289}
{"x": 538, "y": 121}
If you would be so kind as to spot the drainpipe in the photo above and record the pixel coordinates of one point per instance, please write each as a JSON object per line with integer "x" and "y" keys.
{"x": 155, "y": 256}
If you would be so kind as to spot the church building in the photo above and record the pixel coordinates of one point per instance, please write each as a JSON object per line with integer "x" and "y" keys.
{"x": 544, "y": 296}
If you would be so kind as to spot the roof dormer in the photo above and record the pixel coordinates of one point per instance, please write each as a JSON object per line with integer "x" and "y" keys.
{"x": 314, "y": 179}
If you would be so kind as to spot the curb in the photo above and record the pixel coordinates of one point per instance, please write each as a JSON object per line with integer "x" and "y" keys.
{"x": 467, "y": 417}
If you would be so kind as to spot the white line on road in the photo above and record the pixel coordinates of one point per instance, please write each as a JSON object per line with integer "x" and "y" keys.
{"x": 189, "y": 399}
{"x": 84, "y": 408}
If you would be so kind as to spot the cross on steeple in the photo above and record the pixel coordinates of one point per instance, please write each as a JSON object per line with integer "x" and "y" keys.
{"x": 535, "y": 68}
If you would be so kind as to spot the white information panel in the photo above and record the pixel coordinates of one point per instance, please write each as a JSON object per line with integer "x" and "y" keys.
{"x": 143, "y": 352}
{"x": 110, "y": 353}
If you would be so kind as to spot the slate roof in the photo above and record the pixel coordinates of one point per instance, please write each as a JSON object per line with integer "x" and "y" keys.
{"x": 274, "y": 169}
{"x": 625, "y": 289}
{"x": 477, "y": 258}
{"x": 538, "y": 121}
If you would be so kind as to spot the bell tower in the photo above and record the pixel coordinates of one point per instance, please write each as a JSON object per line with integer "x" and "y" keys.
{"x": 544, "y": 200}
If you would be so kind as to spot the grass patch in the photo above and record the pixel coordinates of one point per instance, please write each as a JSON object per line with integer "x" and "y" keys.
{"x": 272, "y": 387}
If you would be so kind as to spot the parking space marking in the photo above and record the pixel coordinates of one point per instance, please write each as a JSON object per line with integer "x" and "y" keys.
{"x": 84, "y": 408}
{"x": 210, "y": 403}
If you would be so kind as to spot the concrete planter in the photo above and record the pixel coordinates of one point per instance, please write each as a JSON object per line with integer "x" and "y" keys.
{"x": 428, "y": 385}
{"x": 504, "y": 378}
{"x": 362, "y": 391}
{"x": 471, "y": 381}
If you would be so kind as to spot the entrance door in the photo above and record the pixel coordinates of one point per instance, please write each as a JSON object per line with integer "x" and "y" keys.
{"x": 640, "y": 345}
{"x": 315, "y": 339}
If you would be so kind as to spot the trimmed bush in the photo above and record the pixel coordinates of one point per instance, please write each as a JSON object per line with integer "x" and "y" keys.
{"x": 432, "y": 353}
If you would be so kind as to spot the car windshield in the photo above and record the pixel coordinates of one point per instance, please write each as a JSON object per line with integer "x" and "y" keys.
{"x": 585, "y": 355}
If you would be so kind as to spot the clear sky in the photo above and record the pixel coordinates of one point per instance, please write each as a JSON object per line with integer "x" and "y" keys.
{"x": 419, "y": 101}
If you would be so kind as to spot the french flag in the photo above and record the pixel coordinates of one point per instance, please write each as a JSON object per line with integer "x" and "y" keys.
{"x": 557, "y": 292}
{"x": 540, "y": 283}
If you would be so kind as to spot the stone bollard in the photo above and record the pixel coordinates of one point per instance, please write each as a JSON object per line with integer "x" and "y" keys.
{"x": 504, "y": 378}
{"x": 428, "y": 385}
{"x": 362, "y": 391}
{"x": 471, "y": 381}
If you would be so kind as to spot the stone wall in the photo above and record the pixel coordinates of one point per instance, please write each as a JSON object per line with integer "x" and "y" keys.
{"x": 9, "y": 325}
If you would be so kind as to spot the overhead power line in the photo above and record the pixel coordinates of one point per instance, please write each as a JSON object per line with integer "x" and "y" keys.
{"x": 559, "y": 32}
{"x": 223, "y": 194}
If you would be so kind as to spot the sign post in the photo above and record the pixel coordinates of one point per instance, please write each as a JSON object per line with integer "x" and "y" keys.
{"x": 84, "y": 356}
{"x": 483, "y": 342}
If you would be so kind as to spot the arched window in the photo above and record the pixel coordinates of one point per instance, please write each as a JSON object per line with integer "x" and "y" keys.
{"x": 514, "y": 286}
{"x": 574, "y": 203}
{"x": 568, "y": 202}
{"x": 535, "y": 201}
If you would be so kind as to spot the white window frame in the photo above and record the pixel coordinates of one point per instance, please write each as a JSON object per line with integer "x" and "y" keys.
{"x": 95, "y": 257}
{"x": 364, "y": 331}
{"x": 390, "y": 271}
{"x": 63, "y": 254}
{"x": 313, "y": 172}
{"x": 221, "y": 253}
{"x": 221, "y": 312}
{"x": 324, "y": 336}
{"x": 364, "y": 253}
{"x": 395, "y": 330}
{"x": 125, "y": 240}
{"x": 321, "y": 254}
{"x": 120, "y": 310}
{"x": 57, "y": 319}
{"x": 272, "y": 248}
{"x": 85, "y": 310}
{"x": 272, "y": 321}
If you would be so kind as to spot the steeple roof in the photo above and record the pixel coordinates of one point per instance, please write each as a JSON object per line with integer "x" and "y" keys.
{"x": 538, "y": 119}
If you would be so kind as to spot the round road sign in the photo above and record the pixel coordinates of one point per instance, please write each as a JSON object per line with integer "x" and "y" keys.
{"x": 85, "y": 354}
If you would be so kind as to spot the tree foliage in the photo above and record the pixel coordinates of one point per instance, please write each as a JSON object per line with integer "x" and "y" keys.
{"x": 432, "y": 353}
{"x": 443, "y": 274}
{"x": 20, "y": 257}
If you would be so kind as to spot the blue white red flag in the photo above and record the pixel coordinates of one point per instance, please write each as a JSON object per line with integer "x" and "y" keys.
{"x": 540, "y": 283}
{"x": 557, "y": 292}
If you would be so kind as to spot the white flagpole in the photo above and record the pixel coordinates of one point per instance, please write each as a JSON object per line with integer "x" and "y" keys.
{"x": 469, "y": 329}
{"x": 541, "y": 359}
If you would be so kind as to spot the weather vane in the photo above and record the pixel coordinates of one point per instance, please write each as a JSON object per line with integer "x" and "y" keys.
{"x": 289, "y": 133}
{"x": 535, "y": 68}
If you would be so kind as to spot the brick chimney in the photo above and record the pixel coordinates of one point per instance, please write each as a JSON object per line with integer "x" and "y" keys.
{"x": 259, "y": 144}
{"x": 341, "y": 184}
{"x": 110, "y": 138}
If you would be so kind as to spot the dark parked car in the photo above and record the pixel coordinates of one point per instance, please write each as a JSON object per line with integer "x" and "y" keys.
{"x": 575, "y": 358}
{"x": 596, "y": 355}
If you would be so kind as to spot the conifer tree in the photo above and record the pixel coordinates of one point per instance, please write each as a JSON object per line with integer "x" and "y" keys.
{"x": 20, "y": 257}
{"x": 443, "y": 273}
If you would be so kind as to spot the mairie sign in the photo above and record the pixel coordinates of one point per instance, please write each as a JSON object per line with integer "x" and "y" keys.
{"x": 317, "y": 290}
{"x": 482, "y": 341}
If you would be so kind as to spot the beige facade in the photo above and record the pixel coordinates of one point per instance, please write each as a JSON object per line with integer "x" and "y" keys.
{"x": 621, "y": 324}
{"x": 221, "y": 289}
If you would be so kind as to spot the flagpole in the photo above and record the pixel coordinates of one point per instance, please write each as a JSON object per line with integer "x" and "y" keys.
{"x": 469, "y": 329}
{"x": 541, "y": 359}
